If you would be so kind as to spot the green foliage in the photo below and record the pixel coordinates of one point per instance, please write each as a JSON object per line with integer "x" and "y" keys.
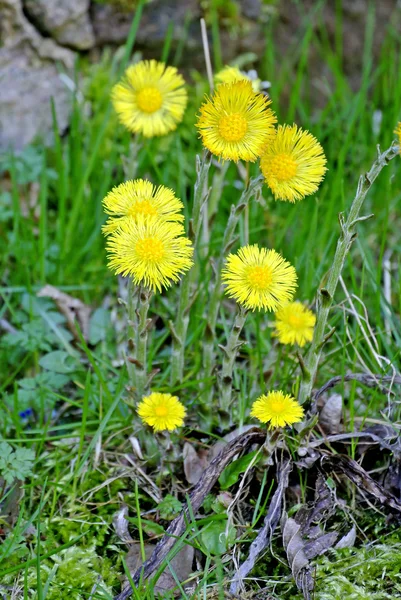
{"x": 15, "y": 464}
{"x": 169, "y": 507}
{"x": 232, "y": 472}
{"x": 367, "y": 573}
{"x": 218, "y": 535}
{"x": 75, "y": 572}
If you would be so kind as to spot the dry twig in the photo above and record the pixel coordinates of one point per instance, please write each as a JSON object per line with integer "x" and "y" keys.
{"x": 196, "y": 498}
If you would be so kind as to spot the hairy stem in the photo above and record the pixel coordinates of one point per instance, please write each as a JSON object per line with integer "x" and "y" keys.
{"x": 141, "y": 340}
{"x": 230, "y": 354}
{"x": 325, "y": 295}
{"x": 214, "y": 303}
{"x": 180, "y": 327}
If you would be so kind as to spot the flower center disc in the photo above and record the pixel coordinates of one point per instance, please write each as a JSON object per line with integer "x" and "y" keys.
{"x": 233, "y": 127}
{"x": 161, "y": 411}
{"x": 276, "y": 407}
{"x": 150, "y": 249}
{"x": 295, "y": 321}
{"x": 259, "y": 277}
{"x": 149, "y": 99}
{"x": 283, "y": 167}
{"x": 143, "y": 207}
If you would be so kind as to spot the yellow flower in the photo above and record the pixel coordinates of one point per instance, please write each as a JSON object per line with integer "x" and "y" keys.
{"x": 277, "y": 409}
{"x": 150, "y": 99}
{"x": 294, "y": 324}
{"x": 231, "y": 74}
{"x": 293, "y": 164}
{"x": 153, "y": 253}
{"x": 162, "y": 411}
{"x": 140, "y": 197}
{"x": 397, "y": 132}
{"x": 259, "y": 278}
{"x": 236, "y": 124}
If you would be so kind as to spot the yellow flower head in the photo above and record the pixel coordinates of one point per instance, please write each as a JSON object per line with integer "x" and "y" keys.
{"x": 397, "y": 132}
{"x": 236, "y": 124}
{"x": 231, "y": 74}
{"x": 150, "y": 99}
{"x": 162, "y": 411}
{"x": 294, "y": 324}
{"x": 259, "y": 278}
{"x": 293, "y": 164}
{"x": 152, "y": 252}
{"x": 277, "y": 409}
{"x": 140, "y": 197}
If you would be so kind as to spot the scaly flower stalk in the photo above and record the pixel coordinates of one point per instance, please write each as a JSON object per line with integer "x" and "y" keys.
{"x": 180, "y": 327}
{"x": 141, "y": 340}
{"x": 326, "y": 295}
{"x": 214, "y": 303}
{"x": 230, "y": 354}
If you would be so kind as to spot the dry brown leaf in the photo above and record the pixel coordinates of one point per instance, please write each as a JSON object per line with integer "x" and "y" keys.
{"x": 297, "y": 559}
{"x": 194, "y": 463}
{"x": 348, "y": 540}
{"x": 181, "y": 565}
{"x": 120, "y": 523}
{"x": 72, "y": 308}
{"x": 331, "y": 414}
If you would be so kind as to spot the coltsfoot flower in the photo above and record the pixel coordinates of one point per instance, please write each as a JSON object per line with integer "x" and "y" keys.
{"x": 150, "y": 99}
{"x": 397, "y": 132}
{"x": 293, "y": 165}
{"x": 294, "y": 324}
{"x": 277, "y": 409}
{"x": 153, "y": 253}
{"x": 139, "y": 197}
{"x": 236, "y": 123}
{"x": 230, "y": 74}
{"x": 162, "y": 411}
{"x": 259, "y": 278}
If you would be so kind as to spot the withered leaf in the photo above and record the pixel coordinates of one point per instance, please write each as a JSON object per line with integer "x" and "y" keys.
{"x": 297, "y": 559}
{"x": 120, "y": 523}
{"x": 270, "y": 523}
{"x": 331, "y": 414}
{"x": 194, "y": 463}
{"x": 348, "y": 540}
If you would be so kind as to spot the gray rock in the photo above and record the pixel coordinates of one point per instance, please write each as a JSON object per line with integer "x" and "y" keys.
{"x": 66, "y": 21}
{"x": 112, "y": 25}
{"x": 29, "y": 79}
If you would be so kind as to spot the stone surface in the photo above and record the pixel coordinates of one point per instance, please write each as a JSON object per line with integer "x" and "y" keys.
{"x": 112, "y": 25}
{"x": 29, "y": 78}
{"x": 66, "y": 21}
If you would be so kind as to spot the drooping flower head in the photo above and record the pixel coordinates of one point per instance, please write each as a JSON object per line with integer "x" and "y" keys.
{"x": 293, "y": 164}
{"x": 397, "y": 132}
{"x": 230, "y": 74}
{"x": 152, "y": 252}
{"x": 161, "y": 411}
{"x": 277, "y": 409}
{"x": 294, "y": 324}
{"x": 236, "y": 123}
{"x": 259, "y": 278}
{"x": 133, "y": 198}
{"x": 150, "y": 99}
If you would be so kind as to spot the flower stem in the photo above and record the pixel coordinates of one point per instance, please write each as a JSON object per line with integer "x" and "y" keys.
{"x": 141, "y": 340}
{"x": 180, "y": 327}
{"x": 325, "y": 295}
{"x": 230, "y": 354}
{"x": 214, "y": 303}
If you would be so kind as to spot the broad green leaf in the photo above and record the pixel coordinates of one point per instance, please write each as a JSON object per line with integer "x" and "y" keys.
{"x": 59, "y": 362}
{"x": 218, "y": 536}
{"x": 231, "y": 473}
